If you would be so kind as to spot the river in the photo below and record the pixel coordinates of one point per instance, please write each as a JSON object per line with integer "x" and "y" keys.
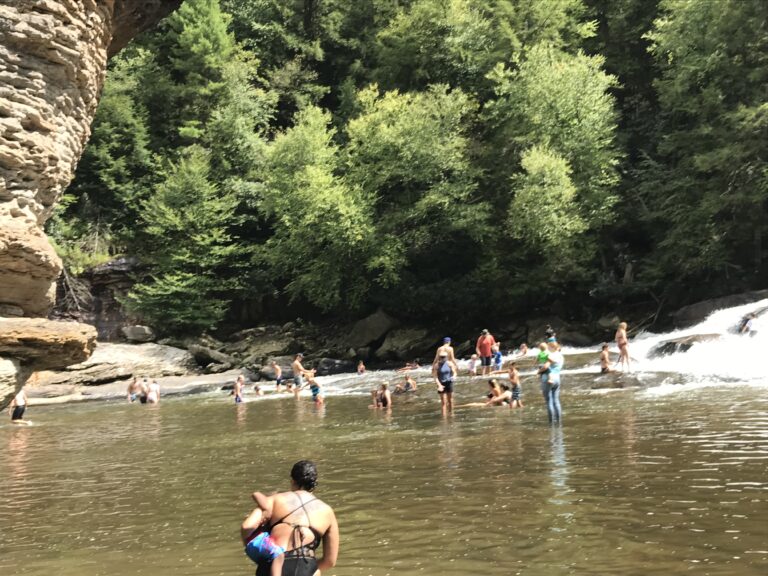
{"x": 660, "y": 473}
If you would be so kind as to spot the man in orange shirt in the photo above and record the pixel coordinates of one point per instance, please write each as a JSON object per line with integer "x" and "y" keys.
{"x": 483, "y": 349}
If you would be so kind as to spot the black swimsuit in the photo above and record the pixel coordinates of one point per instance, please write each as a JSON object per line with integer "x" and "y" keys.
{"x": 300, "y": 560}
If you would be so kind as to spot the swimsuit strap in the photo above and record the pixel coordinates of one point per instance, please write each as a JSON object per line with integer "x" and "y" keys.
{"x": 296, "y": 535}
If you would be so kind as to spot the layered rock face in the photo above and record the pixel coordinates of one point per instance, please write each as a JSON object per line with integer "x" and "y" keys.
{"x": 53, "y": 57}
{"x": 31, "y": 344}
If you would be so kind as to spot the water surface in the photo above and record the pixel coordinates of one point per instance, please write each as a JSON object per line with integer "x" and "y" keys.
{"x": 650, "y": 480}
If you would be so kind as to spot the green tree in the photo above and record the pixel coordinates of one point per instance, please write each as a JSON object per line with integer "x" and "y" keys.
{"x": 190, "y": 249}
{"x": 704, "y": 191}
{"x": 322, "y": 225}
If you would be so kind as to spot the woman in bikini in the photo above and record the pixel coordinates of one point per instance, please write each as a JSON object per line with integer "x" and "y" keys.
{"x": 295, "y": 522}
{"x": 623, "y": 343}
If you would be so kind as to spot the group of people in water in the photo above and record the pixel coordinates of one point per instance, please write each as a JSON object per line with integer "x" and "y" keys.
{"x": 143, "y": 391}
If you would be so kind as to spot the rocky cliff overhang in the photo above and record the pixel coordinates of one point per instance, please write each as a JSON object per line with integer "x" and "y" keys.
{"x": 53, "y": 58}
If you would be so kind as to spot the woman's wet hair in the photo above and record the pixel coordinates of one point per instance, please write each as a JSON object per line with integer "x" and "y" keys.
{"x": 304, "y": 473}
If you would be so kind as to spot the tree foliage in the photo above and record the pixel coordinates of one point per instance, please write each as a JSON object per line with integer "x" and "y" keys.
{"x": 433, "y": 157}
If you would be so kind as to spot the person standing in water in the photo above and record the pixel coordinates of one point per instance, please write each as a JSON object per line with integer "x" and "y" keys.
{"x": 18, "y": 406}
{"x": 278, "y": 375}
{"x": 360, "y": 368}
{"x": 623, "y": 343}
{"x": 134, "y": 389}
{"x": 446, "y": 349}
{"x": 303, "y": 523}
{"x": 153, "y": 393}
{"x": 299, "y": 372}
{"x": 484, "y": 350}
{"x": 238, "y": 389}
{"x": 444, "y": 372}
{"x": 382, "y": 397}
{"x": 550, "y": 386}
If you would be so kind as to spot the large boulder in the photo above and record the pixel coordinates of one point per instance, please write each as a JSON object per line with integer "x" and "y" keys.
{"x": 328, "y": 366}
{"x": 698, "y": 312}
{"x": 370, "y": 329}
{"x": 111, "y": 362}
{"x": 405, "y": 344}
{"x": 138, "y": 333}
{"x": 9, "y": 377}
{"x": 206, "y": 356}
{"x": 682, "y": 344}
{"x": 44, "y": 344}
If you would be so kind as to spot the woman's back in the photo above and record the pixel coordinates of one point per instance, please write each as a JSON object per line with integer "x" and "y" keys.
{"x": 299, "y": 519}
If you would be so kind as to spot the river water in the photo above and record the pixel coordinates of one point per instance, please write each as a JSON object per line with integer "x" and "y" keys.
{"x": 658, "y": 473}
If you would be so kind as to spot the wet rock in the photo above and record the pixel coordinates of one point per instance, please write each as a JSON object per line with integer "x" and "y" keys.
{"x": 45, "y": 344}
{"x": 575, "y": 338}
{"x": 698, "y": 312}
{"x": 214, "y": 368}
{"x": 405, "y": 344}
{"x": 205, "y": 356}
{"x": 682, "y": 344}
{"x": 10, "y": 311}
{"x": 328, "y": 366}
{"x": 111, "y": 362}
{"x": 138, "y": 333}
{"x": 9, "y": 376}
{"x": 370, "y": 329}
{"x": 608, "y": 322}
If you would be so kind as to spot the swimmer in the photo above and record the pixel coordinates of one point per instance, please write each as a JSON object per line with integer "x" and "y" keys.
{"x": 522, "y": 351}
{"x": 623, "y": 343}
{"x": 444, "y": 372}
{"x": 514, "y": 384}
{"x": 314, "y": 387}
{"x": 134, "y": 389}
{"x": 360, "y": 368}
{"x": 409, "y": 366}
{"x": 605, "y": 360}
{"x": 278, "y": 375}
{"x": 446, "y": 349}
{"x": 408, "y": 386}
{"x": 472, "y": 365}
{"x": 258, "y": 390}
{"x": 499, "y": 394}
{"x": 238, "y": 389}
{"x": 381, "y": 397}
{"x": 143, "y": 390}
{"x": 18, "y": 407}
{"x": 153, "y": 393}
{"x": 299, "y": 372}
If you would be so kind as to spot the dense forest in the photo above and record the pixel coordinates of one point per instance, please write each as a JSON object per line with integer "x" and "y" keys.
{"x": 431, "y": 157}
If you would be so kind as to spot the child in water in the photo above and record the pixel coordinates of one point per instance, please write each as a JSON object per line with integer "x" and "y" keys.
{"x": 514, "y": 383}
{"x": 260, "y": 547}
{"x": 541, "y": 359}
{"x": 496, "y": 355}
{"x": 472, "y": 365}
{"x": 360, "y": 368}
{"x": 315, "y": 388}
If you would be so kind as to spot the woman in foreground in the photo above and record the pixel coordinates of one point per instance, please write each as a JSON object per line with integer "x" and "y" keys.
{"x": 293, "y": 524}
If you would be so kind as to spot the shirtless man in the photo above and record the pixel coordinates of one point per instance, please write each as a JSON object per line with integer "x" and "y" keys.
{"x": 134, "y": 390}
{"x": 299, "y": 372}
{"x": 278, "y": 375}
{"x": 446, "y": 349}
{"x": 238, "y": 390}
{"x": 605, "y": 360}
